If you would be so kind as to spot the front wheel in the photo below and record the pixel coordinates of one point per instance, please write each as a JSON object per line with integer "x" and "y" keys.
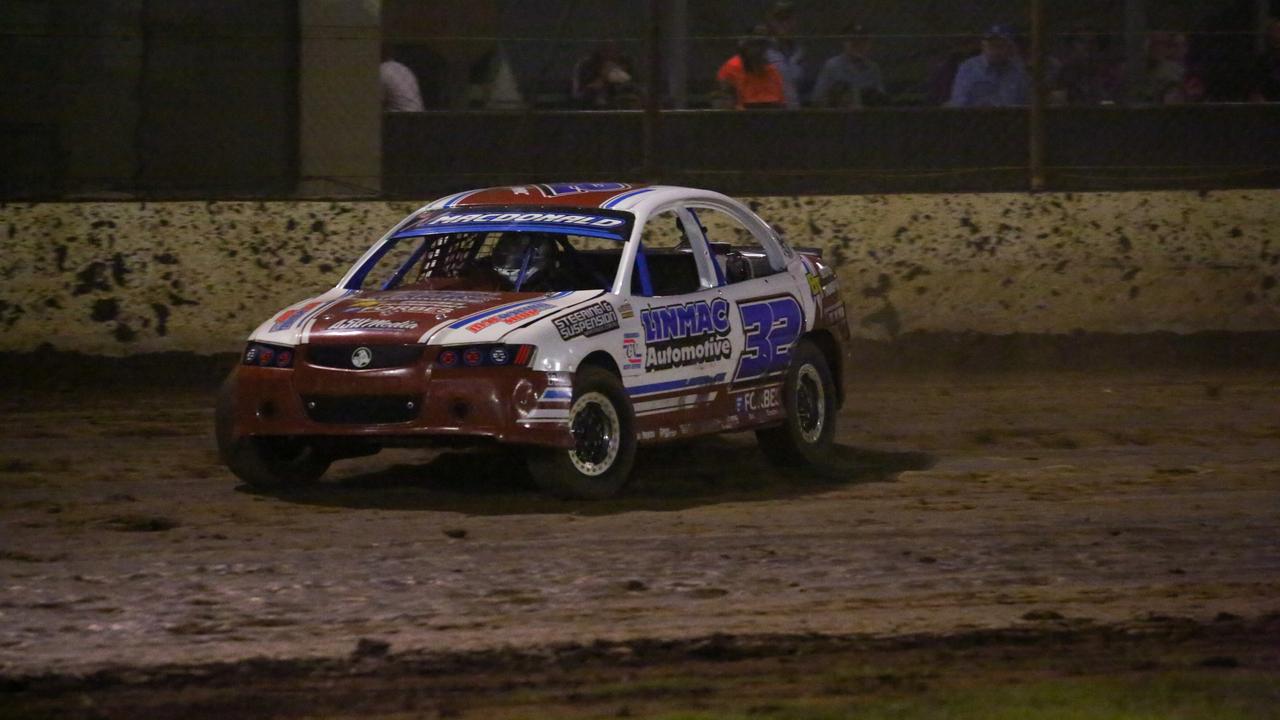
{"x": 604, "y": 450}
{"x": 265, "y": 462}
{"x": 809, "y": 396}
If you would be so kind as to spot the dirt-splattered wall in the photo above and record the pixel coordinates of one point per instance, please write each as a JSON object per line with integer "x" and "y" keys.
{"x": 123, "y": 278}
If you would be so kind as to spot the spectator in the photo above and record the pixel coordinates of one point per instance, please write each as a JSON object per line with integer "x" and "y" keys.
{"x": 852, "y": 78}
{"x": 783, "y": 51}
{"x": 1265, "y": 86}
{"x": 605, "y": 79}
{"x": 748, "y": 79}
{"x": 996, "y": 78}
{"x": 1085, "y": 75}
{"x": 1193, "y": 88}
{"x": 943, "y": 77}
{"x": 492, "y": 83}
{"x": 1165, "y": 71}
{"x": 400, "y": 91}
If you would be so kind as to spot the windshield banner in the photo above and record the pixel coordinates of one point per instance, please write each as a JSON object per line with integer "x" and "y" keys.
{"x": 518, "y": 218}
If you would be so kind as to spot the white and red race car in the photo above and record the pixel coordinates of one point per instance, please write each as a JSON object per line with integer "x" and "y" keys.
{"x": 579, "y": 321}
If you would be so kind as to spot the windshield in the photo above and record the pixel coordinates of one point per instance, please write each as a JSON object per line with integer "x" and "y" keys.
{"x": 504, "y": 249}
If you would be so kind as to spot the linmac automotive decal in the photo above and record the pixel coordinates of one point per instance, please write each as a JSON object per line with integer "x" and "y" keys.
{"x": 688, "y": 334}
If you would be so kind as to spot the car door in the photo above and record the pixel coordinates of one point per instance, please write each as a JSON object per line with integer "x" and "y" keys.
{"x": 768, "y": 307}
{"x": 686, "y": 329}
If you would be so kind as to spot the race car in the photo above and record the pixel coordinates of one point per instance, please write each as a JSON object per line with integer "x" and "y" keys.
{"x": 576, "y": 321}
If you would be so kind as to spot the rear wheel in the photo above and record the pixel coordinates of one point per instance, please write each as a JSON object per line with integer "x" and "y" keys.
{"x": 266, "y": 461}
{"x": 809, "y": 396}
{"x": 603, "y": 427}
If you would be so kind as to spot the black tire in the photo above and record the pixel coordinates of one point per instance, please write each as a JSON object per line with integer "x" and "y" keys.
{"x": 603, "y": 424}
{"x": 809, "y": 396}
{"x": 265, "y": 462}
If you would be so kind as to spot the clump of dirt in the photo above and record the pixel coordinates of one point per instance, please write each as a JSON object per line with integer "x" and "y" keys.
{"x": 141, "y": 523}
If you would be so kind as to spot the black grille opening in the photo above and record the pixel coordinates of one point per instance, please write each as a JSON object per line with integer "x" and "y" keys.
{"x": 362, "y": 409}
{"x": 380, "y": 356}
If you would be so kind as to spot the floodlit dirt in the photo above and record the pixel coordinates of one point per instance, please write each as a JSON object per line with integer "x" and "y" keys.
{"x": 1010, "y": 501}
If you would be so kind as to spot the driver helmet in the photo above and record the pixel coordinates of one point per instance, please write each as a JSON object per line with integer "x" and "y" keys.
{"x": 509, "y": 256}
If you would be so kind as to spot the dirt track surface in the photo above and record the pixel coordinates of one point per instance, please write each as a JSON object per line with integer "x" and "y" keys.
{"x": 1006, "y": 501}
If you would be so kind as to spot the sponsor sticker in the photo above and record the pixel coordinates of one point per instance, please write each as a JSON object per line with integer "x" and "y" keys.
{"x": 815, "y": 285}
{"x": 512, "y": 316}
{"x": 537, "y": 218}
{"x": 588, "y": 322}
{"x": 288, "y": 318}
{"x": 626, "y": 311}
{"x": 834, "y": 314}
{"x": 689, "y": 334}
{"x": 439, "y": 304}
{"x": 631, "y": 352}
{"x": 758, "y": 400}
{"x": 373, "y": 324}
{"x": 559, "y": 189}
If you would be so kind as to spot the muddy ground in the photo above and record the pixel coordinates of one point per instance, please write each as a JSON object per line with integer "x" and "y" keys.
{"x": 1010, "y": 503}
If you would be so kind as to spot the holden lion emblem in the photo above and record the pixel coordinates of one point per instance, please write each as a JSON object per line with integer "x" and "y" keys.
{"x": 361, "y": 357}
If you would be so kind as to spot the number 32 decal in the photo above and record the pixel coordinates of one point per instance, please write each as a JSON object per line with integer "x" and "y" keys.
{"x": 771, "y": 328}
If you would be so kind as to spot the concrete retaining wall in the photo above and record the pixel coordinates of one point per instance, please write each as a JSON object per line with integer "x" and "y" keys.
{"x": 124, "y": 278}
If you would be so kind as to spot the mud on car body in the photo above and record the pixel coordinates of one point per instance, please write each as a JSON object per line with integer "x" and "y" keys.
{"x": 576, "y": 321}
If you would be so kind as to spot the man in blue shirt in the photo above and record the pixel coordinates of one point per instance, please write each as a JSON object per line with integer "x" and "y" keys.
{"x": 852, "y": 78}
{"x": 996, "y": 78}
{"x": 783, "y": 52}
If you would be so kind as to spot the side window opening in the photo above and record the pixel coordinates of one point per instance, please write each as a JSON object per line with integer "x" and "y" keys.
{"x": 666, "y": 257}
{"x": 737, "y": 251}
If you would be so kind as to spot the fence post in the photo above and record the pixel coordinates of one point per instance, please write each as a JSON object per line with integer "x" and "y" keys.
{"x": 677, "y": 66}
{"x": 1262, "y": 8}
{"x": 1039, "y": 57}
{"x": 1135, "y": 43}
{"x": 653, "y": 94}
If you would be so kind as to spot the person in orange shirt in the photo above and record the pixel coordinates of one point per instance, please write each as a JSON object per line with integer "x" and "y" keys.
{"x": 749, "y": 79}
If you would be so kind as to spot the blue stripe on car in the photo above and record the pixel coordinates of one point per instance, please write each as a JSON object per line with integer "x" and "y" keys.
{"x": 675, "y": 384}
{"x": 626, "y": 196}
{"x": 455, "y": 199}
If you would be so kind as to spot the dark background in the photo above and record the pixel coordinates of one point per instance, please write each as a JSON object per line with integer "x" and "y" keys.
{"x": 187, "y": 99}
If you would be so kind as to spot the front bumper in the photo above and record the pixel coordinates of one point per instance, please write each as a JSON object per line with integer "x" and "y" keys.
{"x": 417, "y": 402}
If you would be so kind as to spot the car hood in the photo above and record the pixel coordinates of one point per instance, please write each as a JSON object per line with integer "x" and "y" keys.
{"x": 441, "y": 317}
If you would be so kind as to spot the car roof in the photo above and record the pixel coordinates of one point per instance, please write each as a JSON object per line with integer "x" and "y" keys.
{"x": 614, "y": 196}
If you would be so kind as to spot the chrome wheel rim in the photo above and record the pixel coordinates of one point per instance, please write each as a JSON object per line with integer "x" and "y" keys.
{"x": 811, "y": 404}
{"x": 597, "y": 434}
